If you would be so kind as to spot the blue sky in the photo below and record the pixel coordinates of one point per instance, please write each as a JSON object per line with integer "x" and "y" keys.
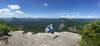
{"x": 50, "y": 8}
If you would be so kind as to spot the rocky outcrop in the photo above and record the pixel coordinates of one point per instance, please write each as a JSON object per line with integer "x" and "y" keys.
{"x": 43, "y": 39}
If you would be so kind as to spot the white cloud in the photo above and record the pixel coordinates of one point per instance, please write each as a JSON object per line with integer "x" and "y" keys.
{"x": 12, "y": 11}
{"x": 69, "y": 16}
{"x": 14, "y": 7}
{"x": 45, "y": 4}
{"x": 5, "y": 10}
{"x": 76, "y": 15}
{"x": 19, "y": 12}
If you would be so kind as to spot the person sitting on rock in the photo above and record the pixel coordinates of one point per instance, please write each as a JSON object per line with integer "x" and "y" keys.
{"x": 49, "y": 29}
{"x": 46, "y": 29}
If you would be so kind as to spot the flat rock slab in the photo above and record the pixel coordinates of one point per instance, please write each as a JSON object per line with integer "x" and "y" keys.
{"x": 44, "y": 39}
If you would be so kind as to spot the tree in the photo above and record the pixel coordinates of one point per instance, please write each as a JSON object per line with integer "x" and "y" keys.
{"x": 91, "y": 34}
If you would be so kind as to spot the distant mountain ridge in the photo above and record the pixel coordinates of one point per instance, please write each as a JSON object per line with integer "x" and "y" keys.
{"x": 39, "y": 24}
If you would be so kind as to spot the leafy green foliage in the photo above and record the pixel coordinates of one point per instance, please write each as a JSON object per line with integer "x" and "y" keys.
{"x": 74, "y": 23}
{"x": 91, "y": 34}
{"x": 7, "y": 26}
{"x": 3, "y": 25}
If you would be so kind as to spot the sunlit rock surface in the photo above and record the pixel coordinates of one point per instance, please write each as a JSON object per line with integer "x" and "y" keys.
{"x": 42, "y": 39}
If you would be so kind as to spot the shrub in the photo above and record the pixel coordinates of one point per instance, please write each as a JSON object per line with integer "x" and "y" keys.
{"x": 91, "y": 34}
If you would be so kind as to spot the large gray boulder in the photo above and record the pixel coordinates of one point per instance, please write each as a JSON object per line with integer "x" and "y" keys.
{"x": 44, "y": 39}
